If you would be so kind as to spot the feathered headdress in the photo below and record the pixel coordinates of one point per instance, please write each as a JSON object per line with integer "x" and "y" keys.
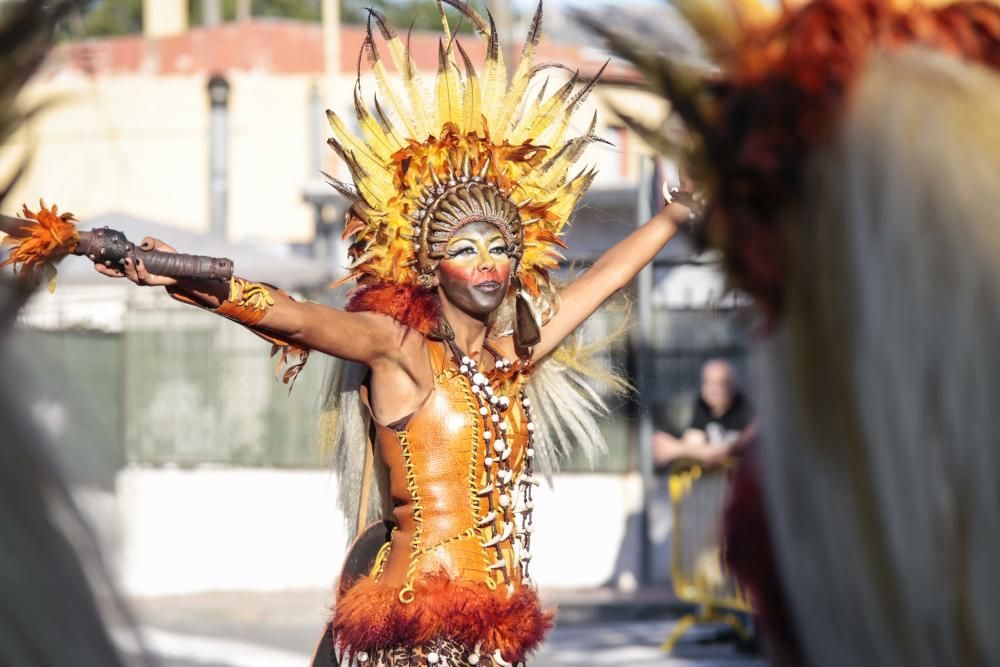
{"x": 482, "y": 150}
{"x": 783, "y": 77}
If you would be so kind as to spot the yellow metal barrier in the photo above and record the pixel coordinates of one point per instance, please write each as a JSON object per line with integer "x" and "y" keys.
{"x": 698, "y": 498}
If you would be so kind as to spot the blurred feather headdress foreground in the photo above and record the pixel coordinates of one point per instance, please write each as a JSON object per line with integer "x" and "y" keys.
{"x": 481, "y": 150}
{"x": 26, "y": 33}
{"x": 779, "y": 80}
{"x": 51, "y": 560}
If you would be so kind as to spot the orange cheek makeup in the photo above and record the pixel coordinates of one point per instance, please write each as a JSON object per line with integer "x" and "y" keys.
{"x": 467, "y": 271}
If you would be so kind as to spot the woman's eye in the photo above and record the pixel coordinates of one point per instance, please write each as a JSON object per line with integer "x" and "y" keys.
{"x": 499, "y": 250}
{"x": 462, "y": 251}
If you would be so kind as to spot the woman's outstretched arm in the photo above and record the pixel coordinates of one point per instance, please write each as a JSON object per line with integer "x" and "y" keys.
{"x": 362, "y": 337}
{"x": 610, "y": 273}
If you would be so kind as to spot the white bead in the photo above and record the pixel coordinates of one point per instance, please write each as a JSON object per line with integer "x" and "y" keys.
{"x": 487, "y": 435}
{"x": 531, "y": 427}
{"x": 504, "y": 500}
{"x": 488, "y": 461}
{"x": 488, "y": 389}
{"x": 479, "y": 378}
{"x": 503, "y": 426}
{"x": 494, "y": 400}
{"x": 432, "y": 658}
{"x": 530, "y": 452}
{"x": 474, "y": 659}
{"x": 483, "y": 411}
{"x": 466, "y": 360}
{"x": 526, "y": 402}
{"x": 362, "y": 656}
{"x": 463, "y": 368}
{"x": 505, "y": 361}
{"x": 475, "y": 389}
{"x": 504, "y": 402}
{"x": 499, "y": 446}
{"x": 494, "y": 418}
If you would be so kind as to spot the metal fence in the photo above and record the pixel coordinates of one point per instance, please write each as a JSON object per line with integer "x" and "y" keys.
{"x": 199, "y": 389}
{"x": 699, "y": 575}
{"x": 176, "y": 386}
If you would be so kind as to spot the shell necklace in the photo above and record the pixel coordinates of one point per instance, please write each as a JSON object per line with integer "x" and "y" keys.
{"x": 512, "y": 519}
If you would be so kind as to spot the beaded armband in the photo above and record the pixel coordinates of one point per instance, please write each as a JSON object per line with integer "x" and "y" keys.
{"x": 247, "y": 302}
{"x": 694, "y": 225}
{"x": 694, "y": 203}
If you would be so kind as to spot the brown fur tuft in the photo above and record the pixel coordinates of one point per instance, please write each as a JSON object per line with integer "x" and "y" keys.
{"x": 412, "y": 306}
{"x": 369, "y": 616}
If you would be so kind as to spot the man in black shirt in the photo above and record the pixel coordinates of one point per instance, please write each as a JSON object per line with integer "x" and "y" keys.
{"x": 721, "y": 414}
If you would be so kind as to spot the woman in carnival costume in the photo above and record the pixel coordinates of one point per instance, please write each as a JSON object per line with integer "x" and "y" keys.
{"x": 452, "y": 346}
{"x": 853, "y": 155}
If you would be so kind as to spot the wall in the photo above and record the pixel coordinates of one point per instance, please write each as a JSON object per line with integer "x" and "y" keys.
{"x": 186, "y": 531}
{"x": 138, "y": 145}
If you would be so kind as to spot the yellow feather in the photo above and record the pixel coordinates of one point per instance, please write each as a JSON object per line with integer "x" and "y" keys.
{"x": 503, "y": 126}
{"x": 370, "y": 190}
{"x": 449, "y": 106}
{"x": 382, "y": 142}
{"x": 388, "y": 142}
{"x": 495, "y": 79}
{"x": 472, "y": 117}
{"x": 375, "y": 168}
{"x": 559, "y": 136}
{"x": 411, "y": 77}
{"x": 414, "y": 87}
{"x": 522, "y": 78}
{"x": 554, "y": 174}
{"x": 565, "y": 199}
{"x": 533, "y": 124}
{"x": 378, "y": 69}
{"x": 446, "y": 29}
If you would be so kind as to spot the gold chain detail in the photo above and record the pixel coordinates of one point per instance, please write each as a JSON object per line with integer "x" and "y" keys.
{"x": 406, "y": 594}
{"x": 468, "y": 532}
{"x": 380, "y": 558}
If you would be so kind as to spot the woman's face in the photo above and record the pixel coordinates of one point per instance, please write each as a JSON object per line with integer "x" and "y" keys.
{"x": 475, "y": 273}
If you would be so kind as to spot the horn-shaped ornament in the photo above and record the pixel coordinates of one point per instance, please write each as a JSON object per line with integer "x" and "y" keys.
{"x": 527, "y": 333}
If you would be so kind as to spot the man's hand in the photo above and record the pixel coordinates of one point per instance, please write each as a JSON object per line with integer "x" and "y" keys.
{"x": 712, "y": 456}
{"x": 136, "y": 271}
{"x": 666, "y": 448}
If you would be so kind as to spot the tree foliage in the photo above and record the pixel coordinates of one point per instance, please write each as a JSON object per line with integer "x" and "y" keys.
{"x": 103, "y": 18}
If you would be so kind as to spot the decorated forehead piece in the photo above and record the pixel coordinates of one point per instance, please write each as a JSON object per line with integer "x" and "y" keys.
{"x": 460, "y": 199}
{"x": 784, "y": 77}
{"x": 487, "y": 146}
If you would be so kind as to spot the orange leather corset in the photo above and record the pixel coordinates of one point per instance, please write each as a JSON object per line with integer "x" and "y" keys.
{"x": 459, "y": 500}
{"x": 456, "y": 563}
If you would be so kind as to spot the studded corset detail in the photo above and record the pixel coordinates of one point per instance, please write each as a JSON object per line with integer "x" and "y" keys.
{"x": 461, "y": 478}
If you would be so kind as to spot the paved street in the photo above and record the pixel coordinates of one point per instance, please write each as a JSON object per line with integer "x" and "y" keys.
{"x": 635, "y": 643}
{"x": 236, "y": 630}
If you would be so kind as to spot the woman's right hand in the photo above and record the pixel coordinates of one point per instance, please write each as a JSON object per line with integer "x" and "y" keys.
{"x": 136, "y": 271}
